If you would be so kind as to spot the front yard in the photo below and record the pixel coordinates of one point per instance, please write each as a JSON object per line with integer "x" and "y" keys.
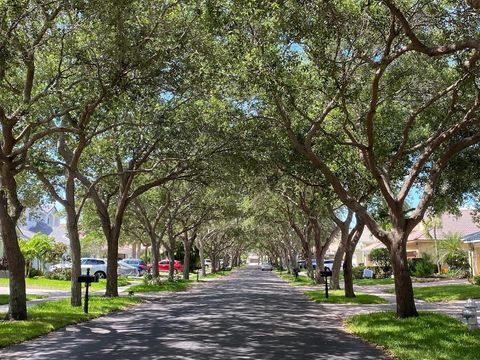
{"x": 43, "y": 283}
{"x": 338, "y": 297}
{"x": 445, "y": 292}
{"x": 431, "y": 336}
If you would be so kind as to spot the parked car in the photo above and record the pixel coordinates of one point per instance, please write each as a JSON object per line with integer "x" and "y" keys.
{"x": 165, "y": 264}
{"x": 329, "y": 264}
{"x": 60, "y": 266}
{"x": 126, "y": 269}
{"x": 267, "y": 267}
{"x": 98, "y": 267}
{"x": 207, "y": 262}
{"x": 138, "y": 263}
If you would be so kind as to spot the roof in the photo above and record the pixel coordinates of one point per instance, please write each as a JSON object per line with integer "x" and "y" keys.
{"x": 59, "y": 233}
{"x": 462, "y": 224}
{"x": 471, "y": 238}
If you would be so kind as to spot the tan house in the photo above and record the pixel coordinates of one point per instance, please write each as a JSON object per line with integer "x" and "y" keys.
{"x": 420, "y": 241}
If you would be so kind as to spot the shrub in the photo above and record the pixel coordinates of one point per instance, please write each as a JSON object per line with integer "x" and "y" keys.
{"x": 357, "y": 272}
{"x": 476, "y": 280}
{"x": 458, "y": 260}
{"x": 60, "y": 274}
{"x": 381, "y": 258}
{"x": 122, "y": 281}
{"x": 424, "y": 267}
{"x": 34, "y": 273}
{"x": 458, "y": 273}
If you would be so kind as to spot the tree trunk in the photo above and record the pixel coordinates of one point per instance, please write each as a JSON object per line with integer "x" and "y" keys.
{"x": 16, "y": 264}
{"x": 403, "y": 282}
{"x": 347, "y": 273}
{"x": 213, "y": 264}
{"x": 187, "y": 246}
{"x": 337, "y": 266}
{"x": 112, "y": 266}
{"x": 155, "y": 255}
{"x": 308, "y": 260}
{"x": 171, "y": 267}
{"x": 202, "y": 258}
{"x": 350, "y": 246}
{"x": 75, "y": 254}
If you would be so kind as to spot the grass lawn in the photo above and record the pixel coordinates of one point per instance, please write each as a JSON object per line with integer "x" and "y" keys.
{"x": 302, "y": 279}
{"x": 446, "y": 292}
{"x": 179, "y": 285}
{"x": 42, "y": 283}
{"x": 4, "y": 298}
{"x": 431, "y": 336}
{"x": 338, "y": 297}
{"x": 52, "y": 315}
{"x": 212, "y": 275}
{"x": 364, "y": 282}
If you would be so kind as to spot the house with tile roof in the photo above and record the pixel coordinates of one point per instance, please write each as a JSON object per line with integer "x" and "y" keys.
{"x": 422, "y": 241}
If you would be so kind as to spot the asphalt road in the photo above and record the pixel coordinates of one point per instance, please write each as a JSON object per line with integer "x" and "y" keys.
{"x": 248, "y": 315}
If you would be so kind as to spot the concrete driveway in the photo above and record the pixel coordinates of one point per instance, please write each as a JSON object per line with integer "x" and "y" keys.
{"x": 248, "y": 315}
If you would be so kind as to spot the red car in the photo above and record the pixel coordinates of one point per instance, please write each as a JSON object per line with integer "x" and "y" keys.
{"x": 164, "y": 265}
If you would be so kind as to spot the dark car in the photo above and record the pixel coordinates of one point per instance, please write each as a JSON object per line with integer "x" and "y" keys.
{"x": 138, "y": 263}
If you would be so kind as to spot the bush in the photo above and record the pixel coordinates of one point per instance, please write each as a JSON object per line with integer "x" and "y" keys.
{"x": 122, "y": 281}
{"x": 458, "y": 273}
{"x": 458, "y": 260}
{"x": 60, "y": 274}
{"x": 357, "y": 272}
{"x": 424, "y": 267}
{"x": 34, "y": 273}
{"x": 476, "y": 280}
{"x": 381, "y": 258}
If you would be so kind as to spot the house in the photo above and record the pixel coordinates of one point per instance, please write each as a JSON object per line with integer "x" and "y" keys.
{"x": 45, "y": 219}
{"x": 423, "y": 241}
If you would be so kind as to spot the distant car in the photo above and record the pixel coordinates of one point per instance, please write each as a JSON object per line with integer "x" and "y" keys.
{"x": 207, "y": 262}
{"x": 60, "y": 266}
{"x": 328, "y": 264}
{"x": 266, "y": 267}
{"x": 165, "y": 264}
{"x": 138, "y": 263}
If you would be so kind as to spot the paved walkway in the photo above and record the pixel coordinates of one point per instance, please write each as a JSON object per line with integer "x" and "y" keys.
{"x": 49, "y": 294}
{"x": 248, "y": 315}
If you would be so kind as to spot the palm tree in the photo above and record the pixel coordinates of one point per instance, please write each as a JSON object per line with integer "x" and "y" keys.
{"x": 451, "y": 250}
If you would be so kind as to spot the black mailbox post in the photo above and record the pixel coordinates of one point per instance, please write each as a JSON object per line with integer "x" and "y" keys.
{"x": 325, "y": 273}
{"x": 87, "y": 279}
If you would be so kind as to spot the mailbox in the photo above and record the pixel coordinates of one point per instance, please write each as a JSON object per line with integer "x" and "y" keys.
{"x": 326, "y": 272}
{"x": 87, "y": 279}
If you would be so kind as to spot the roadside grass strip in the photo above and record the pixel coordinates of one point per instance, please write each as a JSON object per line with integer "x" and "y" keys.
{"x": 211, "y": 276}
{"x": 431, "y": 336}
{"x": 338, "y": 297}
{"x": 442, "y": 293}
{"x": 52, "y": 315}
{"x": 179, "y": 285}
{"x": 43, "y": 283}
{"x": 366, "y": 282}
{"x": 302, "y": 280}
{"x": 4, "y": 298}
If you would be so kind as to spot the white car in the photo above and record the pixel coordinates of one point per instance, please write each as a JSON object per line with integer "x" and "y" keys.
{"x": 98, "y": 267}
{"x": 266, "y": 267}
{"x": 207, "y": 262}
{"x": 60, "y": 266}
